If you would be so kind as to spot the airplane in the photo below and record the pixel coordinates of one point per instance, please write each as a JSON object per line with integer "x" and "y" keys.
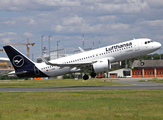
{"x": 97, "y": 60}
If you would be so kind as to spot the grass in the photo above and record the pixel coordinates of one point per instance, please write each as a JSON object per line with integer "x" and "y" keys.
{"x": 82, "y": 105}
{"x": 64, "y": 82}
{"x": 153, "y": 80}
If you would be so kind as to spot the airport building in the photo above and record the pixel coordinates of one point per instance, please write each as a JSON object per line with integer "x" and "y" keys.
{"x": 121, "y": 73}
{"x": 151, "y": 68}
{"x": 5, "y": 66}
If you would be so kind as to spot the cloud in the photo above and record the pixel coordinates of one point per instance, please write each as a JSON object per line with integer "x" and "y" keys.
{"x": 6, "y": 40}
{"x": 97, "y": 6}
{"x": 31, "y": 21}
{"x": 27, "y": 34}
{"x": 7, "y": 37}
{"x": 59, "y": 2}
{"x": 13, "y": 5}
{"x": 9, "y": 23}
{"x": 157, "y": 4}
{"x": 119, "y": 26}
{"x": 22, "y": 5}
{"x": 73, "y": 20}
{"x": 107, "y": 18}
{"x": 7, "y": 34}
{"x": 67, "y": 20}
{"x": 153, "y": 23}
{"x": 131, "y": 6}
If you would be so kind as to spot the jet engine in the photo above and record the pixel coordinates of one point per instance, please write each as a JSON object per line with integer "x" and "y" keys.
{"x": 102, "y": 65}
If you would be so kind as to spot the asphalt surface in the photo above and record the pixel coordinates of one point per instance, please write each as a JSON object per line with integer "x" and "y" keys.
{"x": 134, "y": 85}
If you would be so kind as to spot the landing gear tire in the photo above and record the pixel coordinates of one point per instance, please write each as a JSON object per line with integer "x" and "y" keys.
{"x": 85, "y": 77}
{"x": 142, "y": 63}
{"x": 93, "y": 74}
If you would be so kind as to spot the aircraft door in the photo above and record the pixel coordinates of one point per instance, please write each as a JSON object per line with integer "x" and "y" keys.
{"x": 136, "y": 45}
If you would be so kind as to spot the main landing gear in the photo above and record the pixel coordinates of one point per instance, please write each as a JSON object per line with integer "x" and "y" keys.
{"x": 86, "y": 77}
{"x": 93, "y": 74}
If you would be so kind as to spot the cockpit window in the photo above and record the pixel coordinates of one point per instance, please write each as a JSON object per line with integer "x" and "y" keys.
{"x": 148, "y": 42}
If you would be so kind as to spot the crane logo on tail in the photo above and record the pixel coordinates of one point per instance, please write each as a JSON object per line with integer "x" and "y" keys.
{"x": 18, "y": 61}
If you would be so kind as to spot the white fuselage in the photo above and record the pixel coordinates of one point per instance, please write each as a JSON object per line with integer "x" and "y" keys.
{"x": 116, "y": 52}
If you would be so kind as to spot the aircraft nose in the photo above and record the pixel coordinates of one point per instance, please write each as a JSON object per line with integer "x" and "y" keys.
{"x": 157, "y": 45}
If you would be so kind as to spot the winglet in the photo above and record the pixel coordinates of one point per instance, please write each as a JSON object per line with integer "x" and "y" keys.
{"x": 81, "y": 49}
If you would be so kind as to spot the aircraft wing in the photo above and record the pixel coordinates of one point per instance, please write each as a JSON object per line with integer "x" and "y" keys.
{"x": 78, "y": 64}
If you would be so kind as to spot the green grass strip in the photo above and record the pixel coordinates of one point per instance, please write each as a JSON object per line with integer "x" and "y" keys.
{"x": 82, "y": 105}
{"x": 156, "y": 80}
{"x": 53, "y": 83}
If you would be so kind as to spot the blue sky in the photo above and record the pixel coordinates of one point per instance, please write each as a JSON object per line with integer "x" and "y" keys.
{"x": 66, "y": 20}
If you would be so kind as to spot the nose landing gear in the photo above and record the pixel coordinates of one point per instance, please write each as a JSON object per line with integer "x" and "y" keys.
{"x": 141, "y": 62}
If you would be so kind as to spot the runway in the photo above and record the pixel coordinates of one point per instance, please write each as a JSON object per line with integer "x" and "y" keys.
{"x": 134, "y": 85}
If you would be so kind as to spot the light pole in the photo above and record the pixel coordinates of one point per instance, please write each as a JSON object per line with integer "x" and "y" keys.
{"x": 42, "y": 44}
{"x": 160, "y": 53}
{"x": 57, "y": 47}
{"x": 49, "y": 45}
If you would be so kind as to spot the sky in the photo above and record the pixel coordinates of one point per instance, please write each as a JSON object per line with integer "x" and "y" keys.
{"x": 67, "y": 20}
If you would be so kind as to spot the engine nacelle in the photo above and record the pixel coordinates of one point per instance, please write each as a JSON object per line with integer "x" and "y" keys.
{"x": 102, "y": 65}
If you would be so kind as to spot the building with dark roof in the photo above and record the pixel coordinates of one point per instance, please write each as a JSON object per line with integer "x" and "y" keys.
{"x": 151, "y": 68}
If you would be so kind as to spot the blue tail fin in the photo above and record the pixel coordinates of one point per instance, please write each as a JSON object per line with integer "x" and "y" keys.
{"x": 17, "y": 59}
{"x": 23, "y": 66}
